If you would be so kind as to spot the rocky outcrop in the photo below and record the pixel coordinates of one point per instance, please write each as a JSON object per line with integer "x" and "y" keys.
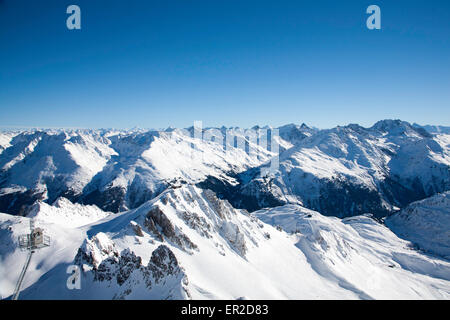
{"x": 161, "y": 227}
{"x": 163, "y": 275}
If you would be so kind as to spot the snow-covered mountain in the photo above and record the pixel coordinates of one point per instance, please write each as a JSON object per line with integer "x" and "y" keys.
{"x": 426, "y": 223}
{"x": 188, "y": 244}
{"x": 65, "y": 213}
{"x": 45, "y": 165}
{"x": 5, "y": 139}
{"x": 114, "y": 170}
{"x": 352, "y": 170}
{"x": 434, "y": 129}
{"x": 193, "y": 214}
{"x": 342, "y": 171}
{"x": 291, "y": 134}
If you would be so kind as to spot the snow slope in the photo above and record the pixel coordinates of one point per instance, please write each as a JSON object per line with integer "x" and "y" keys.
{"x": 426, "y": 223}
{"x": 362, "y": 255}
{"x": 188, "y": 244}
{"x": 434, "y": 129}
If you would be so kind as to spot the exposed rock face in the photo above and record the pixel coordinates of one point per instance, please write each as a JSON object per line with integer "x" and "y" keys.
{"x": 196, "y": 222}
{"x": 111, "y": 199}
{"x": 119, "y": 267}
{"x": 254, "y": 195}
{"x": 95, "y": 250}
{"x": 164, "y": 224}
{"x": 221, "y": 208}
{"x": 227, "y": 229}
{"x": 127, "y": 272}
{"x": 158, "y": 223}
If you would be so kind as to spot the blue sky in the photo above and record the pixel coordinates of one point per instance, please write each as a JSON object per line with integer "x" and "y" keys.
{"x": 155, "y": 64}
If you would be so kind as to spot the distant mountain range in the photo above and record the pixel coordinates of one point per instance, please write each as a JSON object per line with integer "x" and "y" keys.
{"x": 341, "y": 171}
{"x": 434, "y": 129}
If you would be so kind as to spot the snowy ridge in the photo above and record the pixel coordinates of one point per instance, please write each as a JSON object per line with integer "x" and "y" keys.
{"x": 48, "y": 165}
{"x": 65, "y": 213}
{"x": 5, "y": 139}
{"x": 188, "y": 244}
{"x": 342, "y": 171}
{"x": 434, "y": 129}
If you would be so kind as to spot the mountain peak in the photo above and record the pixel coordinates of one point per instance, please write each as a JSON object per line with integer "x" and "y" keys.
{"x": 398, "y": 127}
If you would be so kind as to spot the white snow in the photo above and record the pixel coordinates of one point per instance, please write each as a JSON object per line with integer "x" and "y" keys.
{"x": 233, "y": 254}
{"x": 362, "y": 255}
{"x": 5, "y": 140}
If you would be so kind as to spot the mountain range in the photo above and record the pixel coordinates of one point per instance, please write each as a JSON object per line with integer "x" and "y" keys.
{"x": 348, "y": 213}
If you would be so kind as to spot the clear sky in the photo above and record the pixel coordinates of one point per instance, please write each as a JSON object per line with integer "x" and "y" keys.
{"x": 155, "y": 64}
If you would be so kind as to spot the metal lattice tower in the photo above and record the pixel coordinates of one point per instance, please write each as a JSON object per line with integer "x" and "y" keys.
{"x": 31, "y": 242}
